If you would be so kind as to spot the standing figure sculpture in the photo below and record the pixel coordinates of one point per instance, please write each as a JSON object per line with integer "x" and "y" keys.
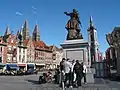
{"x": 20, "y": 37}
{"x": 73, "y": 26}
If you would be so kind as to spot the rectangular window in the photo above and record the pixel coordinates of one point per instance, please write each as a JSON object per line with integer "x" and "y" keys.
{"x": 0, "y": 59}
{"x": 1, "y": 49}
{"x": 9, "y": 48}
{"x": 20, "y": 50}
{"x": 23, "y": 50}
{"x": 92, "y": 37}
{"x": 19, "y": 57}
{"x": 96, "y": 36}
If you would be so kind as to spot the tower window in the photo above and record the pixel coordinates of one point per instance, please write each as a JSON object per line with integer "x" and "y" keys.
{"x": 92, "y": 39}
{"x": 0, "y": 59}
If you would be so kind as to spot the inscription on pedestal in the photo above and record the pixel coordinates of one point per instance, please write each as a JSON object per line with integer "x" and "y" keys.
{"x": 75, "y": 54}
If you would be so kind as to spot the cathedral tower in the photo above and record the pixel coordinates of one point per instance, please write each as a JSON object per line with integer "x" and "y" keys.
{"x": 36, "y": 33}
{"x": 26, "y": 31}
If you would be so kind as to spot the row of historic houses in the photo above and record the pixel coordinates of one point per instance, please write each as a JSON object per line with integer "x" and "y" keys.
{"x": 27, "y": 51}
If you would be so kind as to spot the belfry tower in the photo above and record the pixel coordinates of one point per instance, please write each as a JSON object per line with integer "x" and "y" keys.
{"x": 93, "y": 42}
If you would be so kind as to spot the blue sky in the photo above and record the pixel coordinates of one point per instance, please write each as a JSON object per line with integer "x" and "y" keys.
{"x": 51, "y": 19}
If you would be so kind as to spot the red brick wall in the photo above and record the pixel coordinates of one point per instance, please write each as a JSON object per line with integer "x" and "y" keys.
{"x": 5, "y": 55}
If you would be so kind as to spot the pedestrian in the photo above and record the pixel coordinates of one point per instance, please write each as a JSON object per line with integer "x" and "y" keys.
{"x": 72, "y": 73}
{"x": 61, "y": 69}
{"x": 62, "y": 64}
{"x": 67, "y": 69}
{"x": 78, "y": 69}
{"x": 84, "y": 72}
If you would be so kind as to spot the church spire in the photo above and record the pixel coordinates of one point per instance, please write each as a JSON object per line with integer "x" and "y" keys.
{"x": 36, "y": 30}
{"x": 91, "y": 23}
{"x": 7, "y": 32}
{"x": 36, "y": 33}
{"x": 26, "y": 24}
{"x": 18, "y": 32}
{"x": 26, "y": 31}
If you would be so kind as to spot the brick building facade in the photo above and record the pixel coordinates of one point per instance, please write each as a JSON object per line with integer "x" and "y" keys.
{"x": 32, "y": 49}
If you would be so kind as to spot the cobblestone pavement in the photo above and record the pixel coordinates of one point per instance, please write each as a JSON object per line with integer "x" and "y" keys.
{"x": 31, "y": 83}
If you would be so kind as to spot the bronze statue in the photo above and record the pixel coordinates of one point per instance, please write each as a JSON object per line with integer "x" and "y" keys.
{"x": 73, "y": 26}
{"x": 20, "y": 37}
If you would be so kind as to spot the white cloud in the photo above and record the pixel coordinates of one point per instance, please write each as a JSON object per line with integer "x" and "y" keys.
{"x": 33, "y": 8}
{"x": 18, "y": 13}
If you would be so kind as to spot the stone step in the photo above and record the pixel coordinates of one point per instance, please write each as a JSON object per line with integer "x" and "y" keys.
{"x": 89, "y": 78}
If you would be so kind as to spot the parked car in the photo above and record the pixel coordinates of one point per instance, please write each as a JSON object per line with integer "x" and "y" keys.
{"x": 31, "y": 71}
{"x": 20, "y": 72}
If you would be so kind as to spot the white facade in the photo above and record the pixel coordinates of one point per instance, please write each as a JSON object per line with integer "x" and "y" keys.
{"x": 21, "y": 55}
{"x": 30, "y": 52}
{"x": 10, "y": 51}
{"x": 59, "y": 55}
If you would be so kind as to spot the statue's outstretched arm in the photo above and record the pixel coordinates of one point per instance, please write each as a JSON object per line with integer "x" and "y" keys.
{"x": 68, "y": 14}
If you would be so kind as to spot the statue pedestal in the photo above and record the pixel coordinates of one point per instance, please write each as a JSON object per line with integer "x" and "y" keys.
{"x": 76, "y": 50}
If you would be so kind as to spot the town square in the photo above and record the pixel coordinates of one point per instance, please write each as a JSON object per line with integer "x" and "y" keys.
{"x": 58, "y": 45}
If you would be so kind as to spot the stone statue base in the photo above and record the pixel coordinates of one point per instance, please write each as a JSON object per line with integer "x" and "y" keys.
{"x": 76, "y": 50}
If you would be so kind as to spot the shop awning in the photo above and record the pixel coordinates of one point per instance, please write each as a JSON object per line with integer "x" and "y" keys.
{"x": 21, "y": 65}
{"x": 40, "y": 64}
{"x": 12, "y": 66}
{"x": 2, "y": 66}
{"x": 31, "y": 65}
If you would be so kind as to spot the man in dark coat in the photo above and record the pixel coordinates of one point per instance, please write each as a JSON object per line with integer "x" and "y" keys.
{"x": 62, "y": 66}
{"x": 78, "y": 69}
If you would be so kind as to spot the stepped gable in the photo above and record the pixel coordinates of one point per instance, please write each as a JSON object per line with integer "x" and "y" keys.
{"x": 25, "y": 42}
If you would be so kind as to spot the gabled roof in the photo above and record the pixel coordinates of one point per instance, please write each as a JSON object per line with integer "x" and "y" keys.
{"x": 2, "y": 42}
{"x": 39, "y": 44}
{"x": 52, "y": 47}
{"x": 12, "y": 40}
